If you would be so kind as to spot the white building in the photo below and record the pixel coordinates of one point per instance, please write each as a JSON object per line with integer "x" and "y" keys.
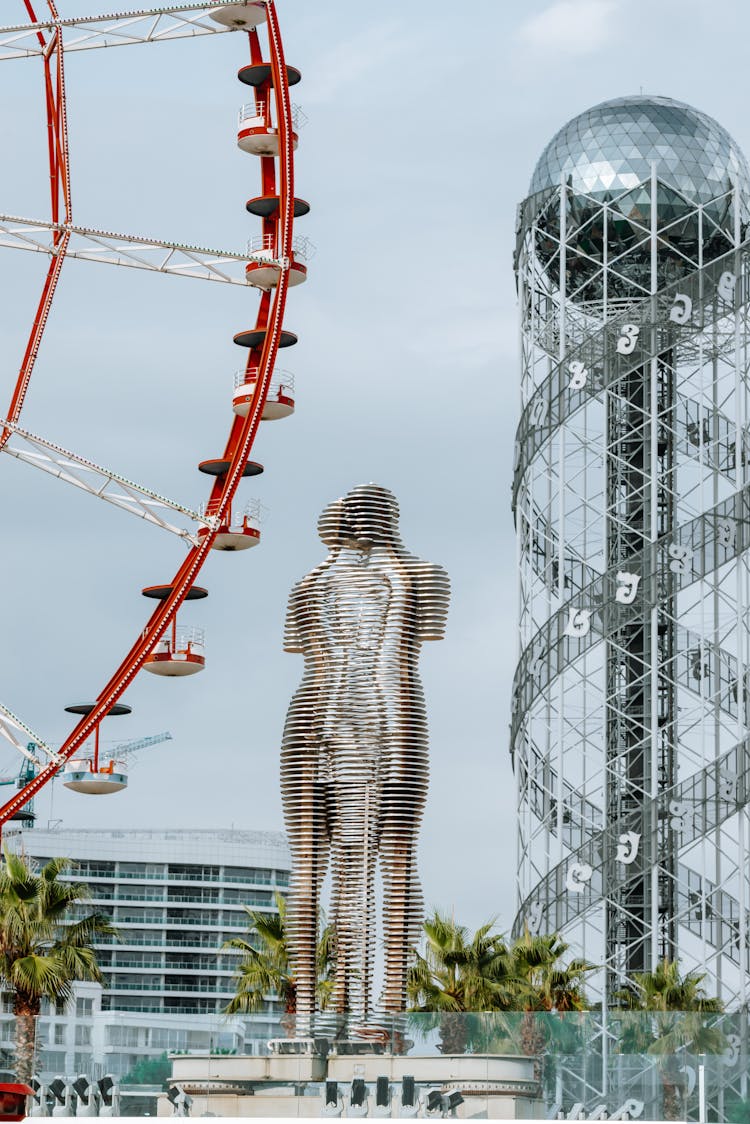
{"x": 175, "y": 898}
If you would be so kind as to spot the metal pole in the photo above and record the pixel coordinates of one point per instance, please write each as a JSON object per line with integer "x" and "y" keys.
{"x": 559, "y": 795}
{"x": 653, "y": 943}
{"x": 702, "y": 1089}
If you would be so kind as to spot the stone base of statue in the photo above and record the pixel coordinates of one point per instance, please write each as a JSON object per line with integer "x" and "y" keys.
{"x": 486, "y": 1086}
{"x": 299, "y": 1047}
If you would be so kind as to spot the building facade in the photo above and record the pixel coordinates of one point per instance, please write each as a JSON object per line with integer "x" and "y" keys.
{"x": 175, "y": 898}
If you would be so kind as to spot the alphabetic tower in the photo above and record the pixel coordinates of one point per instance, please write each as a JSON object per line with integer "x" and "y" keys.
{"x": 630, "y": 718}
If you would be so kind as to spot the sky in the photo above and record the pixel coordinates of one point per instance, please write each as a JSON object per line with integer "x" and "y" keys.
{"x": 424, "y": 124}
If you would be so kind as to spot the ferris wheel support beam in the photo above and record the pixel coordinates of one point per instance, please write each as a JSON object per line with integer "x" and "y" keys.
{"x": 115, "y": 29}
{"x": 11, "y": 725}
{"x": 239, "y": 445}
{"x": 97, "y": 481}
{"x": 59, "y": 171}
{"x": 87, "y": 244}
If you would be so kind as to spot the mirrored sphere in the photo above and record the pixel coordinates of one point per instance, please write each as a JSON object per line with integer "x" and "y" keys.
{"x": 610, "y": 148}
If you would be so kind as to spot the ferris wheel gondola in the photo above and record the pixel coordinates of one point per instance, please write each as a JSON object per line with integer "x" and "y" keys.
{"x": 104, "y": 770}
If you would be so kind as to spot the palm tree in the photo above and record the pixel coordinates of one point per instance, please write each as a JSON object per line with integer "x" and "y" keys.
{"x": 547, "y": 984}
{"x": 42, "y": 952}
{"x": 265, "y": 967}
{"x": 460, "y": 973}
{"x": 677, "y": 1006}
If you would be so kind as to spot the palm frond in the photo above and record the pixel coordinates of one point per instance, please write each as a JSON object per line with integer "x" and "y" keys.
{"x": 265, "y": 969}
{"x": 40, "y": 953}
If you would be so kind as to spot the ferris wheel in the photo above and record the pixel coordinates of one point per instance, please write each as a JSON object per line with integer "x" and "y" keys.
{"x": 273, "y": 262}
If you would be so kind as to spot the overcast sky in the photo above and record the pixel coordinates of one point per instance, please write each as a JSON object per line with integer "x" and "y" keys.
{"x": 425, "y": 121}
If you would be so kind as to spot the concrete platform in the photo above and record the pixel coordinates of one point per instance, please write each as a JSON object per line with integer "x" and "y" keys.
{"x": 292, "y": 1086}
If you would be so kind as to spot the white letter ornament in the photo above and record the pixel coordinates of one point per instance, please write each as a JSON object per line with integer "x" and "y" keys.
{"x": 578, "y": 375}
{"x": 627, "y": 587}
{"x": 630, "y": 1110}
{"x": 628, "y": 339}
{"x": 537, "y": 668}
{"x": 682, "y": 816}
{"x": 579, "y": 622}
{"x": 728, "y": 786}
{"x": 629, "y": 844}
{"x": 534, "y": 918}
{"x": 539, "y": 411}
{"x": 731, "y": 1055}
{"x": 682, "y": 309}
{"x": 727, "y": 285}
{"x": 579, "y": 875}
{"x": 725, "y": 533}
{"x": 680, "y": 558}
{"x": 689, "y": 1072}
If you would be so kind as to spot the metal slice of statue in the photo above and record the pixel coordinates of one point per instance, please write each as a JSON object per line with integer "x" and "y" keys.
{"x": 354, "y": 759}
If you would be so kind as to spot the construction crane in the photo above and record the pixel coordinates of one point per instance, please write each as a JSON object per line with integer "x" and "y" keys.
{"x": 25, "y": 815}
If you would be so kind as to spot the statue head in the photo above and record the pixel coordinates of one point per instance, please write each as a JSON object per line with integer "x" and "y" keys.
{"x": 333, "y": 528}
{"x": 371, "y": 512}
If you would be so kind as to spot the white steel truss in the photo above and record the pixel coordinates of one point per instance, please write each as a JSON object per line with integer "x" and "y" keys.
{"x": 155, "y": 255}
{"x": 631, "y": 730}
{"x": 115, "y": 29}
{"x": 101, "y": 482}
{"x": 11, "y": 726}
{"x": 631, "y": 725}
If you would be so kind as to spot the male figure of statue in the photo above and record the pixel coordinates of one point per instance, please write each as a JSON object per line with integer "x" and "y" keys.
{"x": 354, "y": 756}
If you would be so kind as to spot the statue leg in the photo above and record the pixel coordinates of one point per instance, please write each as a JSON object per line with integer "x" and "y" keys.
{"x": 403, "y": 906}
{"x": 304, "y": 803}
{"x": 354, "y": 856}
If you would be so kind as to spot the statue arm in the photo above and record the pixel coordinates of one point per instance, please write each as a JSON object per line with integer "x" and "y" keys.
{"x": 432, "y": 601}
{"x": 292, "y": 637}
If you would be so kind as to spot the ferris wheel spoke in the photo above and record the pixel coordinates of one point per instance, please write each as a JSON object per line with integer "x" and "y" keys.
{"x": 100, "y": 482}
{"x": 155, "y": 255}
{"x": 114, "y": 29}
{"x": 11, "y": 726}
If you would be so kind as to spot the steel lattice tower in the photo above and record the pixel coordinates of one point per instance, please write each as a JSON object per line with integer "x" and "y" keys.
{"x": 630, "y": 729}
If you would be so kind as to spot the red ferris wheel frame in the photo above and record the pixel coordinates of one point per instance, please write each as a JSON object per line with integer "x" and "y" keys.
{"x": 269, "y": 322}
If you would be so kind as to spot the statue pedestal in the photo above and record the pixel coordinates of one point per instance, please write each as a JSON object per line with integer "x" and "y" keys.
{"x": 292, "y": 1083}
{"x": 298, "y": 1047}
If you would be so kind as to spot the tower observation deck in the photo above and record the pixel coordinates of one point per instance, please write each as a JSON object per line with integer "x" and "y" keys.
{"x": 630, "y": 730}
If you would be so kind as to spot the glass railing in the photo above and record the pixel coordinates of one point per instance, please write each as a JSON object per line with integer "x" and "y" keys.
{"x": 192, "y": 943}
{"x": 134, "y": 897}
{"x": 162, "y": 876}
{"x": 120, "y": 962}
{"x": 218, "y": 965}
{"x": 629, "y": 1065}
{"x": 146, "y": 985}
{"x": 651, "y": 1067}
{"x": 227, "y": 923}
{"x": 213, "y": 943}
{"x": 138, "y": 919}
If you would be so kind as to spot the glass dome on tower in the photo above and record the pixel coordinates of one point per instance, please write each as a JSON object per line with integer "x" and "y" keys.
{"x": 604, "y": 157}
{"x": 609, "y": 149}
